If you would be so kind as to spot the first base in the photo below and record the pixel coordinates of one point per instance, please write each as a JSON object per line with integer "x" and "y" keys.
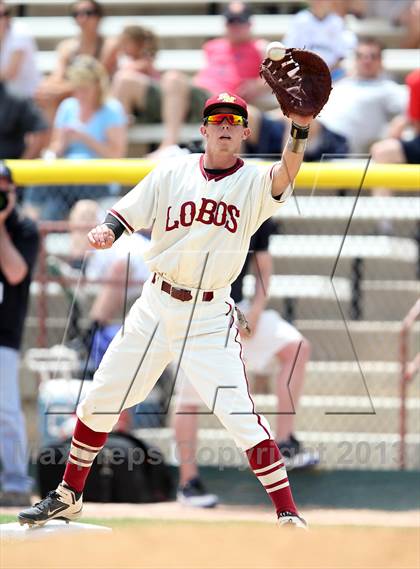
{"x": 16, "y": 532}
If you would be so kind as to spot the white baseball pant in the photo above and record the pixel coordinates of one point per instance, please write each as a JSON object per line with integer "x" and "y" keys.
{"x": 154, "y": 334}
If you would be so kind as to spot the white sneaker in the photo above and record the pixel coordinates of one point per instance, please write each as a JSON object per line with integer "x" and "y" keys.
{"x": 60, "y": 504}
{"x": 288, "y": 519}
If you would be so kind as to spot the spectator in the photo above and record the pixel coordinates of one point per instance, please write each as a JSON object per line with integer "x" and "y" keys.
{"x": 356, "y": 115}
{"x": 232, "y": 64}
{"x": 56, "y": 87}
{"x": 322, "y": 30}
{"x": 233, "y": 61}
{"x": 149, "y": 97}
{"x": 135, "y": 51}
{"x": 110, "y": 296}
{"x": 272, "y": 338}
{"x": 112, "y": 265}
{"x": 22, "y": 126}
{"x": 88, "y": 125}
{"x": 17, "y": 56}
{"x": 18, "y": 251}
{"x": 398, "y": 148}
{"x": 136, "y": 81}
{"x": 361, "y": 105}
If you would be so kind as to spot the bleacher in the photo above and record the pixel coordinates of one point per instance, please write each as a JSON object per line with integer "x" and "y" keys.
{"x": 352, "y": 385}
{"x": 397, "y": 62}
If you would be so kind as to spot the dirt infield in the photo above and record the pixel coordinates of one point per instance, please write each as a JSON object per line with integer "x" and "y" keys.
{"x": 168, "y": 536}
{"x": 223, "y": 545}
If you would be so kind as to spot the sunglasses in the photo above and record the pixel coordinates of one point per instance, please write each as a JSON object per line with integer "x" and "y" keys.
{"x": 4, "y": 14}
{"x": 87, "y": 13}
{"x": 232, "y": 119}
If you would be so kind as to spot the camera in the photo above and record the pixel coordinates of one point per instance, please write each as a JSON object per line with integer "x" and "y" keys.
{"x": 5, "y": 176}
{"x": 4, "y": 199}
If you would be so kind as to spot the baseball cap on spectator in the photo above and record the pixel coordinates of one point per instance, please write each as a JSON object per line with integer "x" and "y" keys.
{"x": 237, "y": 13}
{"x": 226, "y": 100}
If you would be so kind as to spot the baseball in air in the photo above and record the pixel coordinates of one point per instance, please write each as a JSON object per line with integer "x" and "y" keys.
{"x": 275, "y": 51}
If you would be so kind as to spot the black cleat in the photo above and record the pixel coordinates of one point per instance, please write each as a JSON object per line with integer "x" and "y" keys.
{"x": 60, "y": 504}
{"x": 195, "y": 495}
{"x": 295, "y": 456}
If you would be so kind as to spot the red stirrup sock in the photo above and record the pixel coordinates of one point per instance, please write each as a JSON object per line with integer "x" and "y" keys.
{"x": 267, "y": 463}
{"x": 85, "y": 445}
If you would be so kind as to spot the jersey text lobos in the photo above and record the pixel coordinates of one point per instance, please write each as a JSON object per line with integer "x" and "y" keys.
{"x": 208, "y": 212}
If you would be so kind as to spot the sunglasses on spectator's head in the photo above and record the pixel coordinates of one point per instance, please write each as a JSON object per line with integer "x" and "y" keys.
{"x": 88, "y": 13}
{"x": 220, "y": 117}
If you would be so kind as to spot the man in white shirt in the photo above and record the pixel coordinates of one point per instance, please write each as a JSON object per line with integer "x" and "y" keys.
{"x": 17, "y": 57}
{"x": 361, "y": 105}
{"x": 321, "y": 30}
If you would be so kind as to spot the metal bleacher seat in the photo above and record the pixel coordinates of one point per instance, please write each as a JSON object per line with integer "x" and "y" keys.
{"x": 397, "y": 62}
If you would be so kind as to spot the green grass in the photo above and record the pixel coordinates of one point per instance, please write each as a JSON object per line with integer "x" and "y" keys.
{"x": 5, "y": 518}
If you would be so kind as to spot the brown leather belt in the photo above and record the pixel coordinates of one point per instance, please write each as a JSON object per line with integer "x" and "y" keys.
{"x": 182, "y": 294}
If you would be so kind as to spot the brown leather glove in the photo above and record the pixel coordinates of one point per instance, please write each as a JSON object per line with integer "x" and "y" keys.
{"x": 301, "y": 81}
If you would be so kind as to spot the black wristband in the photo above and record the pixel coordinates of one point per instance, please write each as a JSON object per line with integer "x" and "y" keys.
{"x": 116, "y": 226}
{"x": 299, "y": 132}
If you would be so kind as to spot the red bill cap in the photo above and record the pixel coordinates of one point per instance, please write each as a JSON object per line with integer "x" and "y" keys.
{"x": 226, "y": 100}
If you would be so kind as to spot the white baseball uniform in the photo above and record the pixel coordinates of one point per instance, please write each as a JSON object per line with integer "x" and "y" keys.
{"x": 202, "y": 225}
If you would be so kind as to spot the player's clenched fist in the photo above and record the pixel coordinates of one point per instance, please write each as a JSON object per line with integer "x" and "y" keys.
{"x": 101, "y": 237}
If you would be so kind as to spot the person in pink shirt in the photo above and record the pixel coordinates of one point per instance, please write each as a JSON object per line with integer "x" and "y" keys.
{"x": 233, "y": 61}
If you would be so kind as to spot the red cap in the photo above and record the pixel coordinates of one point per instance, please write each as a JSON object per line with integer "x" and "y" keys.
{"x": 226, "y": 100}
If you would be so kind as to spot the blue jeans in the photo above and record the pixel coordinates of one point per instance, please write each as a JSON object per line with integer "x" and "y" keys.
{"x": 13, "y": 443}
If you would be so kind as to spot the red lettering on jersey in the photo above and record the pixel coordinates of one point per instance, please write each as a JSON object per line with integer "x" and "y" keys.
{"x": 210, "y": 212}
{"x": 232, "y": 224}
{"x": 187, "y": 213}
{"x": 220, "y": 215}
{"x": 175, "y": 223}
{"x": 206, "y": 213}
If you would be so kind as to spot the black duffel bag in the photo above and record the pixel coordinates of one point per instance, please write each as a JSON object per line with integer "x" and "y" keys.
{"x": 126, "y": 470}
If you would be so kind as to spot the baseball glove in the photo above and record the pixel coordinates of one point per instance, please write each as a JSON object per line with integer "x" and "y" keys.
{"x": 301, "y": 81}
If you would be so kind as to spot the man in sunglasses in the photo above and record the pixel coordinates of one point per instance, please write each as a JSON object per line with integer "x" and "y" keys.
{"x": 362, "y": 104}
{"x": 203, "y": 210}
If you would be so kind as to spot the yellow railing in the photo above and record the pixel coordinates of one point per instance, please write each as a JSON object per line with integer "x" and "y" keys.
{"x": 346, "y": 174}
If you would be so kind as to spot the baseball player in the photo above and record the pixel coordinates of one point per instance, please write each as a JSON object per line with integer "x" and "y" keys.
{"x": 204, "y": 209}
{"x": 271, "y": 338}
